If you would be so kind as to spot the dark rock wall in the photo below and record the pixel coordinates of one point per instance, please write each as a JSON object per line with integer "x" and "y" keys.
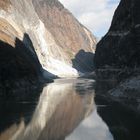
{"x": 120, "y": 47}
{"x": 117, "y": 62}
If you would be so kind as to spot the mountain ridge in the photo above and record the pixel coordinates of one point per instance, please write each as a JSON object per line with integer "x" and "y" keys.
{"x": 55, "y": 33}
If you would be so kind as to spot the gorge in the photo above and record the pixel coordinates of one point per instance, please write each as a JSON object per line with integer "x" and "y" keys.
{"x": 57, "y": 82}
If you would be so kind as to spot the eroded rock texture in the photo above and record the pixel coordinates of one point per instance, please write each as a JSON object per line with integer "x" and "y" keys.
{"x": 47, "y": 31}
{"x": 120, "y": 47}
{"x": 117, "y": 58}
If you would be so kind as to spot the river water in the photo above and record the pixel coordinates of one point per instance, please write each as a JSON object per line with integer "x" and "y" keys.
{"x": 64, "y": 109}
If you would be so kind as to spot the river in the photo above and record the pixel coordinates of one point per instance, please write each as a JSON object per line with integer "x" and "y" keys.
{"x": 65, "y": 109}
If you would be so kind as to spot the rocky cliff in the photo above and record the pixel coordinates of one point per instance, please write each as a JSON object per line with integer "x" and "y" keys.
{"x": 41, "y": 36}
{"x": 117, "y": 59}
{"x": 120, "y": 47}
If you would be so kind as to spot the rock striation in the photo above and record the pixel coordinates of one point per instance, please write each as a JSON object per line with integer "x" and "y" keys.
{"x": 48, "y": 32}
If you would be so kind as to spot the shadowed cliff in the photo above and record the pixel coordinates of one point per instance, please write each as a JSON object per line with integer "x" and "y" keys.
{"x": 117, "y": 61}
{"x": 82, "y": 61}
{"x": 20, "y": 68}
{"x": 119, "y": 48}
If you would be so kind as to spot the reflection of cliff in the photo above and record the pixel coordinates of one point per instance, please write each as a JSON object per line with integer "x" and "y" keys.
{"x": 60, "y": 109}
{"x": 55, "y": 34}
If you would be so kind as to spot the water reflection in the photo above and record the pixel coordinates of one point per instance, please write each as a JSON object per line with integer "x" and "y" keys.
{"x": 122, "y": 120}
{"x": 92, "y": 128}
{"x": 61, "y": 107}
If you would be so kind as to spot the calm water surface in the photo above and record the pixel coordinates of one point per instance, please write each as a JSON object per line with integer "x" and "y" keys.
{"x": 64, "y": 109}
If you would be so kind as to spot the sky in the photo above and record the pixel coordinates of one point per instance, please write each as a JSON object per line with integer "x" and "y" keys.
{"x": 96, "y": 15}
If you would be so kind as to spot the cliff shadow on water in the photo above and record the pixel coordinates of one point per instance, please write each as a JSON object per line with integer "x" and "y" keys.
{"x": 84, "y": 61}
{"x": 119, "y": 111}
{"x": 20, "y": 70}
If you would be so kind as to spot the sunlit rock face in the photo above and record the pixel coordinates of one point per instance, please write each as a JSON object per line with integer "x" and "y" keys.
{"x": 48, "y": 30}
{"x": 119, "y": 48}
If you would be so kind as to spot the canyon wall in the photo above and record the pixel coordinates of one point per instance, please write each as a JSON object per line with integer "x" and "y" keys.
{"x": 120, "y": 47}
{"x": 44, "y": 36}
{"x": 117, "y": 62}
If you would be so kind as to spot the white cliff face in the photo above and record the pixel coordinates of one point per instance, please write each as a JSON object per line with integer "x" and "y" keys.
{"x": 49, "y": 62}
{"x": 55, "y": 44}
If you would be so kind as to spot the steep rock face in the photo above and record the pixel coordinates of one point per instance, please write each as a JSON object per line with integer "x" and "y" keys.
{"x": 120, "y": 48}
{"x": 49, "y": 33}
{"x": 117, "y": 57}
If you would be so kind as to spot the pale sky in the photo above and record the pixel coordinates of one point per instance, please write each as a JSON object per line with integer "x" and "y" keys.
{"x": 96, "y": 15}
